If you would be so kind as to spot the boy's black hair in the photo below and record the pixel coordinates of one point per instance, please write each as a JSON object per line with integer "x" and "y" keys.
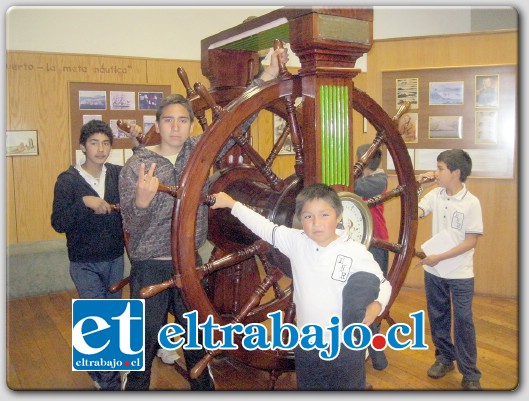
{"x": 318, "y": 191}
{"x": 175, "y": 98}
{"x": 457, "y": 159}
{"x": 95, "y": 127}
{"x": 375, "y": 160}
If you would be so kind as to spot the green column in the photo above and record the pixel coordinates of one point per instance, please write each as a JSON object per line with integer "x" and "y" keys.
{"x": 334, "y": 112}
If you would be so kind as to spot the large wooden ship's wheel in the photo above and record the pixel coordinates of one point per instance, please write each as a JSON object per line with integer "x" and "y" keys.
{"x": 245, "y": 278}
{"x": 238, "y": 293}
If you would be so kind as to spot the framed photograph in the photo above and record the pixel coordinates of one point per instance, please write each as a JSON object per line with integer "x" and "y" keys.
{"x": 149, "y": 100}
{"x": 408, "y": 127}
{"x": 119, "y": 133}
{"x": 445, "y": 127}
{"x": 487, "y": 127}
{"x": 89, "y": 117}
{"x": 122, "y": 101}
{"x": 92, "y": 100}
{"x": 22, "y": 143}
{"x": 487, "y": 90}
{"x": 148, "y": 122}
{"x": 280, "y": 125}
{"x": 407, "y": 90}
{"x": 446, "y": 93}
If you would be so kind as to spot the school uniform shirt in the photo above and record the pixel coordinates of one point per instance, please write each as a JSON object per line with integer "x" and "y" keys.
{"x": 459, "y": 214}
{"x": 319, "y": 273}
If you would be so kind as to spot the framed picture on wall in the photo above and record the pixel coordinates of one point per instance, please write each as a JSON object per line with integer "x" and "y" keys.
{"x": 280, "y": 125}
{"x": 92, "y": 100}
{"x": 446, "y": 93}
{"x": 445, "y": 127}
{"x": 122, "y": 100}
{"x": 407, "y": 90}
{"x": 487, "y": 90}
{"x": 22, "y": 143}
{"x": 408, "y": 127}
{"x": 89, "y": 117}
{"x": 118, "y": 132}
{"x": 149, "y": 100}
{"x": 487, "y": 127}
{"x": 148, "y": 122}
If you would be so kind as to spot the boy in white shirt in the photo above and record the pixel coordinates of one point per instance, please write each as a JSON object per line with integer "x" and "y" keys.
{"x": 457, "y": 211}
{"x": 332, "y": 275}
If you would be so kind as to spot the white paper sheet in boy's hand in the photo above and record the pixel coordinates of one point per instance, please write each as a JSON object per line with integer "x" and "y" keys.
{"x": 440, "y": 243}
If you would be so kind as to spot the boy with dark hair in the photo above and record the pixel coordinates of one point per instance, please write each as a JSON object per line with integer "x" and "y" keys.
{"x": 457, "y": 214}
{"x": 82, "y": 208}
{"x": 332, "y": 276}
{"x": 147, "y": 217}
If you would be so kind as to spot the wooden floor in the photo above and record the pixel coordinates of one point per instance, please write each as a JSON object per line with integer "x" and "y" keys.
{"x": 39, "y": 351}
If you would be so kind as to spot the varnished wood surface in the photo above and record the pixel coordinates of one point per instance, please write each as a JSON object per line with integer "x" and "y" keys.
{"x": 38, "y": 353}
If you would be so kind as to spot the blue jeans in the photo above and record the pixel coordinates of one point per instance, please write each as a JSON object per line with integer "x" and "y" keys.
{"x": 92, "y": 281}
{"x": 441, "y": 295}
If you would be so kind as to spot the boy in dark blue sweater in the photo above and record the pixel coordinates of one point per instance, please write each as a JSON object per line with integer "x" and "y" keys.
{"x": 82, "y": 208}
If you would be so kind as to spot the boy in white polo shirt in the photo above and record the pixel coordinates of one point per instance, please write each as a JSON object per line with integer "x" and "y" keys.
{"x": 456, "y": 215}
{"x": 332, "y": 275}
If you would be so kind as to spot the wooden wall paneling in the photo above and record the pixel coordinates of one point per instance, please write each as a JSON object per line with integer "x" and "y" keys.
{"x": 496, "y": 257}
{"x": 165, "y": 72}
{"x": 37, "y": 87}
{"x": 263, "y": 141}
{"x": 36, "y": 103}
{"x": 443, "y": 51}
{"x": 11, "y": 221}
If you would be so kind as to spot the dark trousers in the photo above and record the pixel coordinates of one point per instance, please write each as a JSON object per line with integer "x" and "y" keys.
{"x": 145, "y": 273}
{"x": 382, "y": 258}
{"x": 441, "y": 295}
{"x": 347, "y": 371}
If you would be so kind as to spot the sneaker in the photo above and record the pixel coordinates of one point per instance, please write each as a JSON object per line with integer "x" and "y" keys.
{"x": 470, "y": 384}
{"x": 439, "y": 369}
{"x": 167, "y": 356}
{"x": 124, "y": 380}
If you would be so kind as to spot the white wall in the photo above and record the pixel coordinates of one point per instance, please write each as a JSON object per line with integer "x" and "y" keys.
{"x": 175, "y": 32}
{"x": 395, "y": 22}
{"x": 157, "y": 32}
